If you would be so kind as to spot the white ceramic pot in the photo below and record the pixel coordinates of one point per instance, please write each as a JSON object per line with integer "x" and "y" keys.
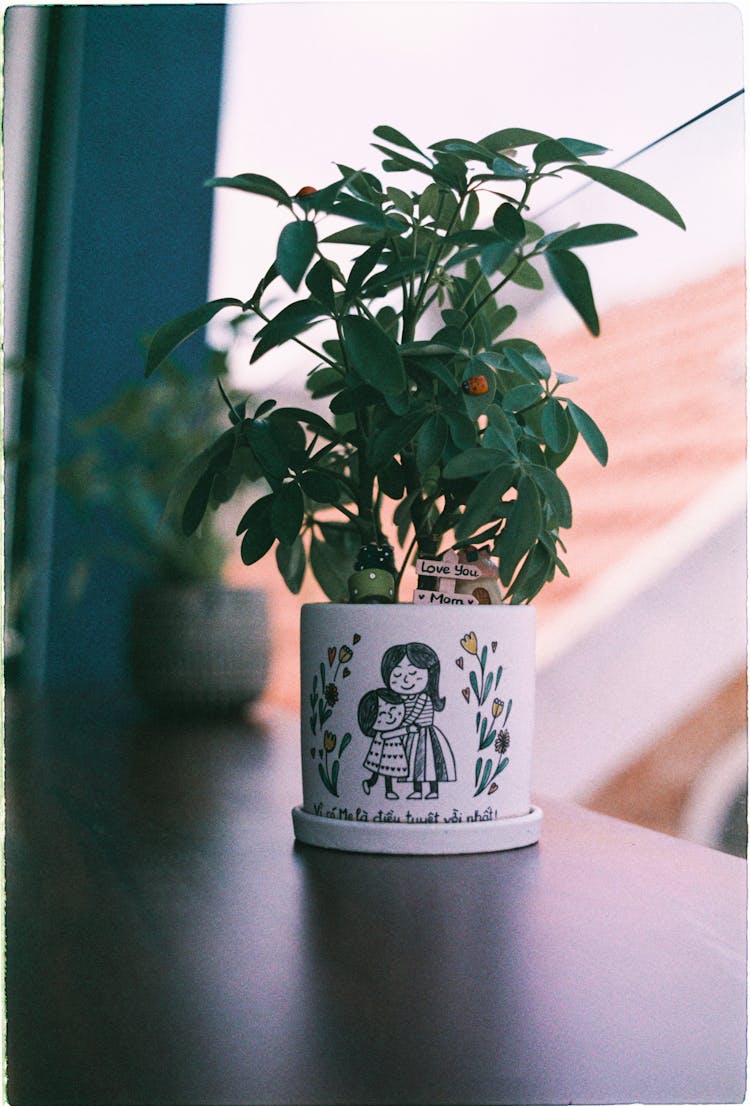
{"x": 416, "y": 728}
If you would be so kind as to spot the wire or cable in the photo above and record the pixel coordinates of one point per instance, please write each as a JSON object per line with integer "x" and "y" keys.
{"x": 682, "y": 126}
{"x": 649, "y": 146}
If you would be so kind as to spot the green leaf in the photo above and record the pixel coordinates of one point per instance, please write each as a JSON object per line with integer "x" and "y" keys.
{"x": 392, "y": 439}
{"x": 320, "y": 282}
{"x": 505, "y": 169}
{"x": 441, "y": 372}
{"x": 374, "y": 355}
{"x": 390, "y": 134}
{"x": 399, "y": 163}
{"x": 593, "y": 235}
{"x": 431, "y": 439}
{"x": 590, "y": 432}
{"x": 633, "y": 189}
{"x": 172, "y": 334}
{"x": 295, "y": 250}
{"x": 517, "y": 399}
{"x": 332, "y": 568}
{"x": 290, "y": 321}
{"x": 369, "y": 215}
{"x": 287, "y": 510}
{"x": 551, "y": 151}
{"x": 554, "y": 492}
{"x": 271, "y": 274}
{"x": 258, "y": 535}
{"x": 268, "y": 448}
{"x": 471, "y": 212}
{"x": 512, "y": 137}
{"x": 362, "y": 267}
{"x": 402, "y": 200}
{"x": 324, "y": 199}
{"x": 531, "y": 576}
{"x": 572, "y": 279}
{"x": 354, "y": 399}
{"x": 582, "y": 149}
{"x": 469, "y": 151}
{"x": 509, "y": 224}
{"x": 391, "y": 480}
{"x": 474, "y": 462}
{"x": 253, "y": 182}
{"x": 555, "y": 426}
{"x": 529, "y": 361}
{"x": 291, "y": 561}
{"x": 320, "y": 487}
{"x": 482, "y": 505}
{"x": 463, "y": 430}
{"x": 197, "y": 503}
{"x": 525, "y": 275}
{"x": 520, "y": 531}
{"x": 356, "y": 236}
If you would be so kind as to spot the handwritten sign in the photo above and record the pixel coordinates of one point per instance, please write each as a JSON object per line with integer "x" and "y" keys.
{"x": 443, "y": 598}
{"x": 447, "y": 572}
{"x": 446, "y": 569}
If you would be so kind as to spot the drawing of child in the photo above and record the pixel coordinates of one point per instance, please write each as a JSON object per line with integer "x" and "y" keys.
{"x": 413, "y": 672}
{"x": 381, "y": 716}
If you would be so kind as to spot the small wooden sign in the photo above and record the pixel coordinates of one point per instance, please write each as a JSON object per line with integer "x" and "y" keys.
{"x": 447, "y": 572}
{"x": 448, "y": 569}
{"x": 444, "y": 598}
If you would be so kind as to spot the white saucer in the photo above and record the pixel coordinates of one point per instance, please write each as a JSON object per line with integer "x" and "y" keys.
{"x": 437, "y": 840}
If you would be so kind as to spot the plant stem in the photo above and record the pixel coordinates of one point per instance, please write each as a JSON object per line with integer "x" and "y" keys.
{"x": 310, "y": 349}
{"x": 404, "y": 563}
{"x": 433, "y": 261}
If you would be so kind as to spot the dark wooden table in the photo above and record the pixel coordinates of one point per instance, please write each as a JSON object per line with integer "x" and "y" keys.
{"x": 167, "y": 942}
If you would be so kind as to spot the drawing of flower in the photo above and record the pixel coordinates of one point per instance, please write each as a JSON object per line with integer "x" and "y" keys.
{"x": 484, "y": 681}
{"x": 502, "y": 742}
{"x": 323, "y": 698}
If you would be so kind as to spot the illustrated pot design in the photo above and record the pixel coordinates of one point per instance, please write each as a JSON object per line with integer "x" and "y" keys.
{"x": 198, "y": 648}
{"x": 416, "y": 728}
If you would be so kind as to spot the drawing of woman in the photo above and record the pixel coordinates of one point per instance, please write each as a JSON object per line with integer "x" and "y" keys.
{"x": 413, "y": 672}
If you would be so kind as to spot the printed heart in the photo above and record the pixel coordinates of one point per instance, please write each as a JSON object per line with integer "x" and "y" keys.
{"x": 331, "y": 655}
{"x": 494, "y": 646}
{"x": 493, "y": 788}
{"x": 355, "y": 639}
{"x": 460, "y": 662}
{"x": 346, "y": 673}
{"x": 466, "y": 693}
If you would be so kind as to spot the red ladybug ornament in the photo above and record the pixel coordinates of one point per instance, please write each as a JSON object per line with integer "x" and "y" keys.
{"x": 476, "y": 386}
{"x": 306, "y": 190}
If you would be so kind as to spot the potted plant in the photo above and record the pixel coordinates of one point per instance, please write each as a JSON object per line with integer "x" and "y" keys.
{"x": 194, "y": 644}
{"x": 432, "y": 431}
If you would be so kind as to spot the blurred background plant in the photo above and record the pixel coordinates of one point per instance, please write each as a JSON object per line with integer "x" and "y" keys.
{"x": 126, "y": 483}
